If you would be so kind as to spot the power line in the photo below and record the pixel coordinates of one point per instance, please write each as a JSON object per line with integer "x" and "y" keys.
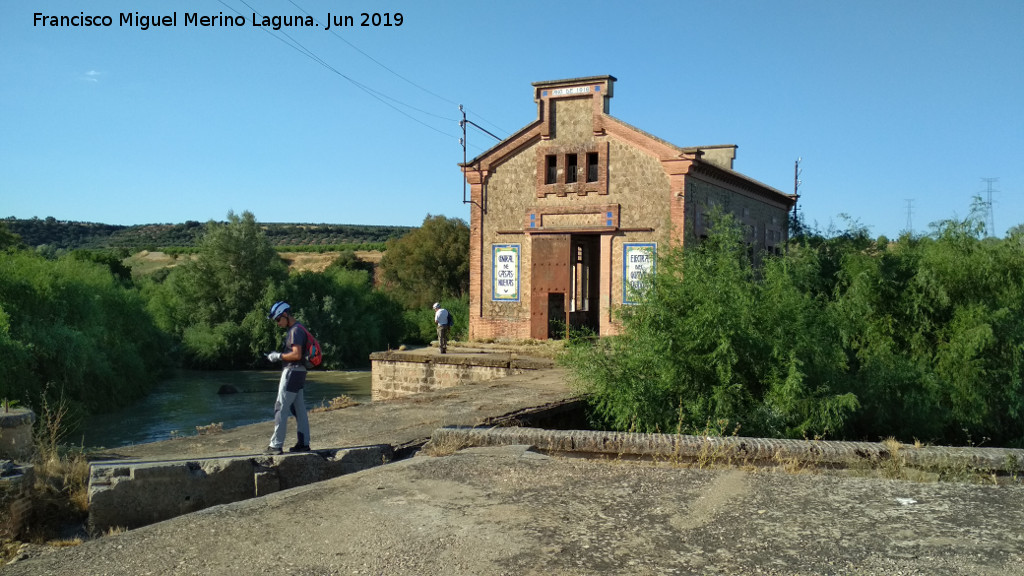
{"x": 297, "y": 46}
{"x": 384, "y": 66}
{"x": 374, "y": 60}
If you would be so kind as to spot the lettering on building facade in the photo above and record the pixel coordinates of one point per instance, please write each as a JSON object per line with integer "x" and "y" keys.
{"x": 638, "y": 261}
{"x": 505, "y": 272}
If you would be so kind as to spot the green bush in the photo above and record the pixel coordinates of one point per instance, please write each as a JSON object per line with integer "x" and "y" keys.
{"x": 341, "y": 308}
{"x": 69, "y": 326}
{"x": 711, "y": 344}
{"x": 421, "y": 320}
{"x": 429, "y": 263}
{"x": 842, "y": 337}
{"x": 206, "y": 302}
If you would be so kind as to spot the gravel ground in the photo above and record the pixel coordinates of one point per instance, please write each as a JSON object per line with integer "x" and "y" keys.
{"x": 508, "y": 510}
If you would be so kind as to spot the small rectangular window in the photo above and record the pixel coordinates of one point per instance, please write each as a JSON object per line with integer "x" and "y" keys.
{"x": 570, "y": 168}
{"x": 591, "y": 166}
{"x": 552, "y": 170}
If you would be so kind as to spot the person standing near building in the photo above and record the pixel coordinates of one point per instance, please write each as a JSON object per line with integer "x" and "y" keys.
{"x": 443, "y": 320}
{"x": 290, "y": 397}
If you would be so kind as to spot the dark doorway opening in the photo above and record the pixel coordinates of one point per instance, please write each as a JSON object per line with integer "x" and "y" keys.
{"x": 585, "y": 282}
{"x": 565, "y": 287}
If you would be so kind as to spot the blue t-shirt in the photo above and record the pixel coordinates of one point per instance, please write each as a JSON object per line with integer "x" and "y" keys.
{"x": 296, "y": 336}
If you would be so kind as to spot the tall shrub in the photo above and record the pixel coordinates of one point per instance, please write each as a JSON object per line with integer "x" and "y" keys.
{"x": 710, "y": 345}
{"x": 206, "y": 302}
{"x": 429, "y": 263}
{"x": 68, "y": 326}
{"x": 349, "y": 318}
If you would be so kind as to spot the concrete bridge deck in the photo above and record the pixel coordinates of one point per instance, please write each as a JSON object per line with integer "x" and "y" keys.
{"x": 400, "y": 422}
{"x": 511, "y": 510}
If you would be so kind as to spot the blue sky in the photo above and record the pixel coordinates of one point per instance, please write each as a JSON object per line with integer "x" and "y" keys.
{"x": 884, "y": 102}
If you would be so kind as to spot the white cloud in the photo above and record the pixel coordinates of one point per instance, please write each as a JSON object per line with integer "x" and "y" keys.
{"x": 92, "y": 76}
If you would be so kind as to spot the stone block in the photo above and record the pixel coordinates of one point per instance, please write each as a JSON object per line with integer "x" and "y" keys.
{"x": 15, "y": 503}
{"x": 135, "y": 494}
{"x": 16, "y": 433}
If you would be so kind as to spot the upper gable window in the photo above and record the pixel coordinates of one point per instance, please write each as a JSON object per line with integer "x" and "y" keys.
{"x": 575, "y": 171}
{"x": 592, "y": 164}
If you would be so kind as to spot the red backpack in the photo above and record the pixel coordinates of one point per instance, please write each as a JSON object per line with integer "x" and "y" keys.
{"x": 312, "y": 352}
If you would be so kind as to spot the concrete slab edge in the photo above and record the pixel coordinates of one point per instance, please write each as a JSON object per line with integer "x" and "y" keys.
{"x": 131, "y": 494}
{"x": 734, "y": 449}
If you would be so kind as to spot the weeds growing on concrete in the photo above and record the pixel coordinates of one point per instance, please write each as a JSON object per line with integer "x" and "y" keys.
{"x": 60, "y": 493}
{"x": 8, "y": 403}
{"x": 343, "y": 401}
{"x": 444, "y": 446}
{"x": 211, "y": 428}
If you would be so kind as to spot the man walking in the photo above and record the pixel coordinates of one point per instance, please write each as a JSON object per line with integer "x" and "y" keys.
{"x": 290, "y": 398}
{"x": 444, "y": 323}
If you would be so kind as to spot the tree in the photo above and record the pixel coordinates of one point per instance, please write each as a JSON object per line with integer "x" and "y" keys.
{"x": 211, "y": 297}
{"x": 70, "y": 327}
{"x": 8, "y": 239}
{"x": 429, "y": 263}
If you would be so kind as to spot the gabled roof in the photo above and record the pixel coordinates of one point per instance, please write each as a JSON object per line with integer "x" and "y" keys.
{"x": 616, "y": 128}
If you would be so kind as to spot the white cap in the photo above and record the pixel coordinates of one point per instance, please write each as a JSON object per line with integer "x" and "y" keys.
{"x": 437, "y": 305}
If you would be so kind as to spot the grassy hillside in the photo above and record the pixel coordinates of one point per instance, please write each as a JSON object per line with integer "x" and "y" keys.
{"x": 146, "y": 262}
{"x": 66, "y": 235}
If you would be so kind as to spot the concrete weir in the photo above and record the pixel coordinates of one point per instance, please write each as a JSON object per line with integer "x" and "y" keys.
{"x": 400, "y": 374}
{"x": 137, "y": 493}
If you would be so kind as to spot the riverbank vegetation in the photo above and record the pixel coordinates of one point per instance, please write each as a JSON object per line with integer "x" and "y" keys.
{"x": 841, "y": 337}
{"x": 81, "y": 325}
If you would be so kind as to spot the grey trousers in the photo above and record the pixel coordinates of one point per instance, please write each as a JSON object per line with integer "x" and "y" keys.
{"x": 293, "y": 403}
{"x": 442, "y": 337}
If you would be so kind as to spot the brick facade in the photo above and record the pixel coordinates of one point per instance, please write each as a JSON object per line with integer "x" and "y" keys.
{"x": 568, "y": 192}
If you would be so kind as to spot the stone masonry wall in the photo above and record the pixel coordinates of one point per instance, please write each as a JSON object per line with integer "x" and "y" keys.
{"x": 397, "y": 374}
{"x": 765, "y": 223}
{"x": 509, "y": 191}
{"x": 636, "y": 182}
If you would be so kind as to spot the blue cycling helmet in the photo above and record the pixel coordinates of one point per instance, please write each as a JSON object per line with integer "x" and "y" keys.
{"x": 277, "y": 309}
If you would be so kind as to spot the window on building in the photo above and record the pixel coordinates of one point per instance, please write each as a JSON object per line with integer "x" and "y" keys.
{"x": 580, "y": 281}
{"x": 570, "y": 168}
{"x": 551, "y": 175}
{"x": 591, "y": 166}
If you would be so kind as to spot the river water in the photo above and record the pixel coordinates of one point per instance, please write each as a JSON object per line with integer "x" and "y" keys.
{"x": 177, "y": 405}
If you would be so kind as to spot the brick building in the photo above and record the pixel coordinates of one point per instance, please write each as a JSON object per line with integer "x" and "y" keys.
{"x": 573, "y": 208}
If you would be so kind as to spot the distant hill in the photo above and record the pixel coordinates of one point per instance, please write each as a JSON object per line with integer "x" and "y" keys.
{"x": 67, "y": 235}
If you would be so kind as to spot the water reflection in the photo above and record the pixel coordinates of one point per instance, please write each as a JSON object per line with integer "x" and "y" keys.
{"x": 177, "y": 405}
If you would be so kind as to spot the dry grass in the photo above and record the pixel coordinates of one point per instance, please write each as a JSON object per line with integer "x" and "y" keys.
{"x": 445, "y": 446}
{"x": 211, "y": 428}
{"x": 65, "y": 542}
{"x": 60, "y": 492}
{"x": 338, "y": 403}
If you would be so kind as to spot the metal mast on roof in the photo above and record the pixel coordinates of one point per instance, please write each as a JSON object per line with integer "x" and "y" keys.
{"x": 990, "y": 221}
{"x": 462, "y": 141}
{"x": 796, "y": 192}
{"x": 909, "y": 229}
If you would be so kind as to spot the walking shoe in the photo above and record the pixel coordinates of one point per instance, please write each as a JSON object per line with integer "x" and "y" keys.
{"x": 299, "y": 448}
{"x": 272, "y": 450}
